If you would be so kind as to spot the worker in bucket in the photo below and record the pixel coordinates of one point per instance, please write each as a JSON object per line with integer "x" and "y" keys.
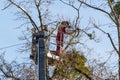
{"x": 63, "y": 28}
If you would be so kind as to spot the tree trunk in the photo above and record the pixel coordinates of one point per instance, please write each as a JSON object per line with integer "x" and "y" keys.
{"x": 119, "y": 65}
{"x": 118, "y": 51}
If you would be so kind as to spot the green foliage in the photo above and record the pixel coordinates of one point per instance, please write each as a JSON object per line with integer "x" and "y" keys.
{"x": 72, "y": 65}
{"x": 117, "y": 8}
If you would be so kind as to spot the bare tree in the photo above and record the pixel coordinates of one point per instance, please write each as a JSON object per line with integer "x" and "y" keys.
{"x": 35, "y": 14}
{"x": 114, "y": 17}
{"x": 16, "y": 71}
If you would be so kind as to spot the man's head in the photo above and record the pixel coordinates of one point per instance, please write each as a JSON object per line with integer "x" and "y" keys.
{"x": 64, "y": 24}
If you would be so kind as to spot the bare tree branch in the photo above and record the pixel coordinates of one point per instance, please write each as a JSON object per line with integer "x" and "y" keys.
{"x": 76, "y": 9}
{"x": 39, "y": 13}
{"x": 96, "y": 8}
{"x": 6, "y": 6}
{"x": 113, "y": 11}
{"x": 26, "y": 13}
{"x": 109, "y": 36}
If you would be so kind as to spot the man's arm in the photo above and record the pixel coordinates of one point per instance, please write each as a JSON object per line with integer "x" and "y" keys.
{"x": 70, "y": 30}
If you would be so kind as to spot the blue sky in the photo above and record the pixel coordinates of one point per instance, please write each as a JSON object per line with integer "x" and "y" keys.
{"x": 9, "y": 34}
